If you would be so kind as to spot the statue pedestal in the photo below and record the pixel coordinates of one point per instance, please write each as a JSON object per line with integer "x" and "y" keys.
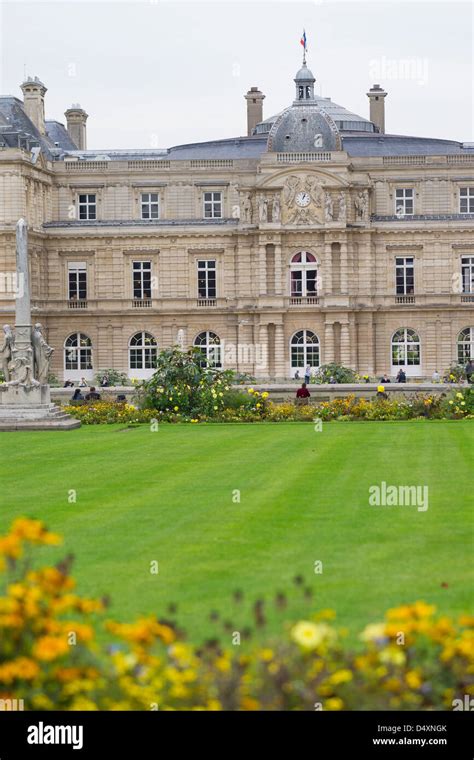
{"x": 30, "y": 408}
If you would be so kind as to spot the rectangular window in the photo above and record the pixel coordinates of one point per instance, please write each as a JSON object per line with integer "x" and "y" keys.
{"x": 142, "y": 279}
{"x": 404, "y": 201}
{"x": 467, "y": 274}
{"x": 466, "y": 200}
{"x": 404, "y": 275}
{"x": 150, "y": 206}
{"x": 206, "y": 279}
{"x": 87, "y": 206}
{"x": 77, "y": 281}
{"x": 213, "y": 205}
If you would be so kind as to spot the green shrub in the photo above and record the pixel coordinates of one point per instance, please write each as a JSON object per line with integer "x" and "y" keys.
{"x": 115, "y": 377}
{"x": 337, "y": 372}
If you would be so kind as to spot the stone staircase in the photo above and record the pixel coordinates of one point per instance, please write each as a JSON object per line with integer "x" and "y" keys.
{"x": 41, "y": 417}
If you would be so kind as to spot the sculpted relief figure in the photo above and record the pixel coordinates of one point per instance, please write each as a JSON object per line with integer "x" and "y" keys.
{"x": 328, "y": 208}
{"x": 290, "y": 189}
{"x": 360, "y": 206}
{"x": 247, "y": 209}
{"x": 21, "y": 370}
{"x": 314, "y": 190}
{"x": 263, "y": 209}
{"x": 42, "y": 354}
{"x": 276, "y": 209}
{"x": 6, "y": 352}
{"x": 342, "y": 206}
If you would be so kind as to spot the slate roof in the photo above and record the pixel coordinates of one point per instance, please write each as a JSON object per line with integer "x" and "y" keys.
{"x": 16, "y": 130}
{"x": 357, "y": 144}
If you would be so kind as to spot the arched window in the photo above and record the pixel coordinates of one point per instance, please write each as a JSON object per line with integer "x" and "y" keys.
{"x": 78, "y": 352}
{"x": 405, "y": 348}
{"x": 304, "y": 275}
{"x": 466, "y": 345}
{"x": 304, "y": 349}
{"x": 142, "y": 351}
{"x": 210, "y": 346}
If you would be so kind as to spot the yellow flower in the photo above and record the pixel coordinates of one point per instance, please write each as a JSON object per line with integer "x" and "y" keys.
{"x": 413, "y": 679}
{"x": 380, "y": 388}
{"x": 176, "y": 408}
{"x": 310, "y": 635}
{"x": 265, "y": 394}
{"x": 392, "y": 656}
{"x": 50, "y": 647}
{"x": 335, "y": 703}
{"x": 373, "y": 631}
{"x": 340, "y": 676}
{"x": 250, "y": 390}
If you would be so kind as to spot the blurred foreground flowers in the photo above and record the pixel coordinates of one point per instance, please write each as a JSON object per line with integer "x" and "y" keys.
{"x": 50, "y": 658}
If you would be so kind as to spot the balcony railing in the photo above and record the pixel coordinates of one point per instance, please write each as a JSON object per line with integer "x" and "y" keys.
{"x": 141, "y": 303}
{"x": 467, "y": 298}
{"x": 304, "y": 301}
{"x": 405, "y": 299}
{"x": 74, "y": 304}
{"x": 206, "y": 302}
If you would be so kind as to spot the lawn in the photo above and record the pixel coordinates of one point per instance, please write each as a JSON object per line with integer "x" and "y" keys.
{"x": 170, "y": 496}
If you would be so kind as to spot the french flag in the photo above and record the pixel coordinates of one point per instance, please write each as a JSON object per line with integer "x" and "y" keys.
{"x": 303, "y": 39}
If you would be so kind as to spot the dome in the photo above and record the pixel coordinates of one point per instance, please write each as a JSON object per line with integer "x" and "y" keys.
{"x": 303, "y": 128}
{"x": 304, "y": 75}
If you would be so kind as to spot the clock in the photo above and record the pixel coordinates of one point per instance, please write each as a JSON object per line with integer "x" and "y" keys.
{"x": 303, "y": 199}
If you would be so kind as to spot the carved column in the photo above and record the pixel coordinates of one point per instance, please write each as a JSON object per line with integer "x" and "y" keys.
{"x": 328, "y": 355}
{"x": 345, "y": 344}
{"x": 278, "y": 271}
{"x": 262, "y": 269}
{"x": 344, "y": 268}
{"x": 280, "y": 364}
{"x": 262, "y": 352}
{"x": 327, "y": 272}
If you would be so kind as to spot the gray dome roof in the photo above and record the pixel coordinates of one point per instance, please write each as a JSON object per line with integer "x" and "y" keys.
{"x": 294, "y": 130}
{"x": 304, "y": 75}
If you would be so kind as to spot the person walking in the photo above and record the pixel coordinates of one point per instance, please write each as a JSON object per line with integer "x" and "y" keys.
{"x": 401, "y": 377}
{"x": 307, "y": 374}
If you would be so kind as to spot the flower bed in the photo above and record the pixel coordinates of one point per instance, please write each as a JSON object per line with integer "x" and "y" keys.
{"x": 254, "y": 406}
{"x": 50, "y": 658}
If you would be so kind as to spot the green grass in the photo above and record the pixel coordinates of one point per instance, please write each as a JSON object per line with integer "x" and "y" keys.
{"x": 168, "y": 496}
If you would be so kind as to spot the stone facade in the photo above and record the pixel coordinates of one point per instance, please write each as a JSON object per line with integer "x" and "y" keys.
{"x": 329, "y": 192}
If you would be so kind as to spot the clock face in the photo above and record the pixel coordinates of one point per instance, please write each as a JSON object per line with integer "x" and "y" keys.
{"x": 303, "y": 199}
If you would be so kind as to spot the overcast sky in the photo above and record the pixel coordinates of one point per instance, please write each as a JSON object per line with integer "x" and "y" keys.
{"x": 157, "y": 74}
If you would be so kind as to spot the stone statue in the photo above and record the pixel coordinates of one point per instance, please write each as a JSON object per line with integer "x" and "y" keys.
{"x": 328, "y": 208}
{"x": 42, "y": 354}
{"x": 263, "y": 209}
{"x": 276, "y": 209}
{"x": 247, "y": 209}
{"x": 180, "y": 339}
{"x": 21, "y": 370}
{"x": 314, "y": 190}
{"x": 360, "y": 204}
{"x": 6, "y": 352}
{"x": 291, "y": 187}
{"x": 342, "y": 206}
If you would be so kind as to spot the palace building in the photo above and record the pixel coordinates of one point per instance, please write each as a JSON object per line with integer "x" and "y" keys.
{"x": 316, "y": 237}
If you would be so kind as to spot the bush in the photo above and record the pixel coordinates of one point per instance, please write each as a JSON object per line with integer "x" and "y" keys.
{"x": 336, "y": 372}
{"x": 182, "y": 384}
{"x": 115, "y": 377}
{"x": 149, "y": 666}
{"x": 454, "y": 374}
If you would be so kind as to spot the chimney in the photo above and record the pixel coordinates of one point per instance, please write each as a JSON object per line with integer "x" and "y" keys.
{"x": 376, "y": 97}
{"x": 33, "y": 102}
{"x": 76, "y": 125}
{"x": 254, "y": 100}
